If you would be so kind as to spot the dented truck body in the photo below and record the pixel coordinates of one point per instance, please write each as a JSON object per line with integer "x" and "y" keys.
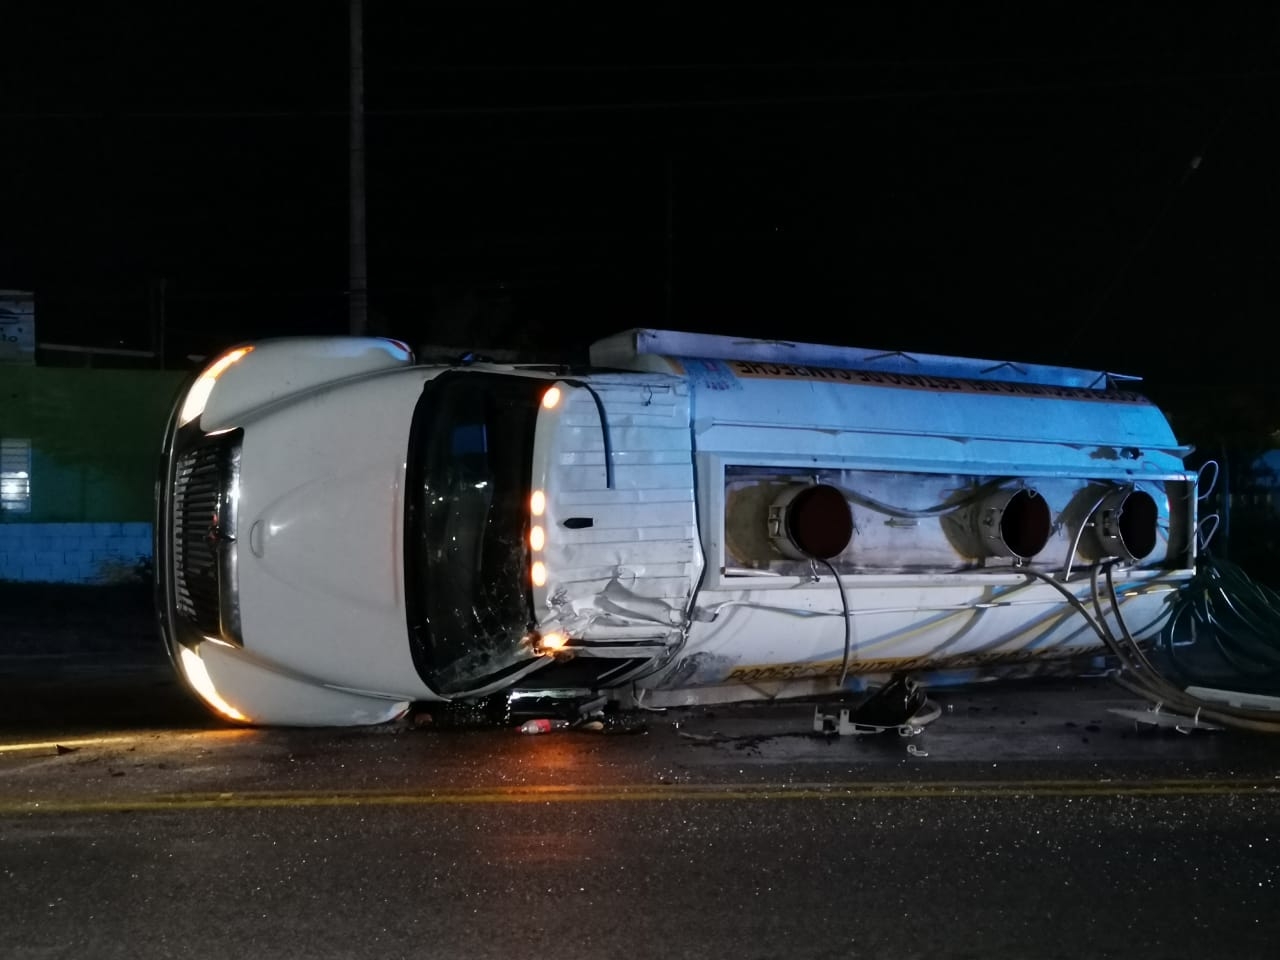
{"x": 342, "y": 532}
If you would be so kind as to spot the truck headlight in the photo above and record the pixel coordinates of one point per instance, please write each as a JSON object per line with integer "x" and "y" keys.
{"x": 202, "y": 683}
{"x": 198, "y": 395}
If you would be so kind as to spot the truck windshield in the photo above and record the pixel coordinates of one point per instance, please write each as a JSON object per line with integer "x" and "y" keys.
{"x": 466, "y": 555}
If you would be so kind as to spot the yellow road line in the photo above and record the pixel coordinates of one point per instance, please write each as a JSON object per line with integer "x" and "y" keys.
{"x": 51, "y": 746}
{"x": 648, "y": 794}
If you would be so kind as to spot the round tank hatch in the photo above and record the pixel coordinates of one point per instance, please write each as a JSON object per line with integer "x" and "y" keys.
{"x": 1014, "y": 523}
{"x": 1125, "y": 525}
{"x": 811, "y": 522}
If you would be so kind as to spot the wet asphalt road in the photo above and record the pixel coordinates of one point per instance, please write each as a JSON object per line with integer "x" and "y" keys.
{"x": 1028, "y": 820}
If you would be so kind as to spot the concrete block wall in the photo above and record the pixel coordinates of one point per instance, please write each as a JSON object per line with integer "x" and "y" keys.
{"x": 73, "y": 552}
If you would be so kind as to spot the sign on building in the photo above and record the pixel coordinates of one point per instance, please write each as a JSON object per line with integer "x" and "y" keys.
{"x": 17, "y": 326}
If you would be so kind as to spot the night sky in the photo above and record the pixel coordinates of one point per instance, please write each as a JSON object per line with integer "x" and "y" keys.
{"x": 1089, "y": 186}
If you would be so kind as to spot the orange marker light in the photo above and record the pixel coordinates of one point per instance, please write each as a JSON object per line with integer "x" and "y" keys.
{"x": 537, "y": 537}
{"x": 551, "y": 642}
{"x": 551, "y": 397}
{"x": 538, "y": 573}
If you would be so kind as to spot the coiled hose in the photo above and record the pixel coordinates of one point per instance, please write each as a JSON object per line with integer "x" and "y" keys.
{"x": 1224, "y": 611}
{"x": 1136, "y": 672}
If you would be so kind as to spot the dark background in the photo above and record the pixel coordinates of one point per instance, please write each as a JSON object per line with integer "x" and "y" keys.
{"x": 1070, "y": 184}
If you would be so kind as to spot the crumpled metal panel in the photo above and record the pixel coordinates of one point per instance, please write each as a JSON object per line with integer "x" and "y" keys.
{"x": 633, "y": 566}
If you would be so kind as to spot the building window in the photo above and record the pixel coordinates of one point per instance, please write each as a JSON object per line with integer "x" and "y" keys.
{"x": 15, "y": 476}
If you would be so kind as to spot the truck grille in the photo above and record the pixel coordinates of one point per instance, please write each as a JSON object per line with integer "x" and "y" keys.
{"x": 203, "y": 526}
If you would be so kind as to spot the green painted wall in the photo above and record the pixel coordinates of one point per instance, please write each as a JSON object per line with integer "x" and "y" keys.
{"x": 95, "y": 438}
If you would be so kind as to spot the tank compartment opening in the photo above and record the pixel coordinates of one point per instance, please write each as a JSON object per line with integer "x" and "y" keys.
{"x": 1125, "y": 525}
{"x": 779, "y": 520}
{"x": 1014, "y": 523}
{"x": 810, "y": 522}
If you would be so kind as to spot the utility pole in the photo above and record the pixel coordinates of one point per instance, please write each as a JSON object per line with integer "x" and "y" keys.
{"x": 669, "y": 252}
{"x": 357, "y": 273}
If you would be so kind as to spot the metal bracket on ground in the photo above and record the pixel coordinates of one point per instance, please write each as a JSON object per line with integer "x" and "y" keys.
{"x": 1157, "y": 716}
{"x": 840, "y": 724}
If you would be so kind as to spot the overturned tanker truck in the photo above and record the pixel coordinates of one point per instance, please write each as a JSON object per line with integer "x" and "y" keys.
{"x": 344, "y": 534}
